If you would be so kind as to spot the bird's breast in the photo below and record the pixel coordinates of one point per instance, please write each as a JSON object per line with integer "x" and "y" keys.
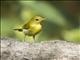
{"x": 35, "y": 27}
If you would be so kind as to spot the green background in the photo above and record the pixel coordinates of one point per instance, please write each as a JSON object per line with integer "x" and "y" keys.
{"x": 62, "y": 19}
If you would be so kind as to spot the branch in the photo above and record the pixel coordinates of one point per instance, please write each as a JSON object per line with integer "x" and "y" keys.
{"x": 11, "y": 49}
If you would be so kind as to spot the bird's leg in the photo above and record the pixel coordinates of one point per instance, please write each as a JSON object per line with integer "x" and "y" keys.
{"x": 24, "y": 38}
{"x": 34, "y": 37}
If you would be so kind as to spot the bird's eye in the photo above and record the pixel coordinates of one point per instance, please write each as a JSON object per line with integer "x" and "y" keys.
{"x": 37, "y": 19}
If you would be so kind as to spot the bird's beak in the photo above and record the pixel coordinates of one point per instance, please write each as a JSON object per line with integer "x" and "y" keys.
{"x": 43, "y": 19}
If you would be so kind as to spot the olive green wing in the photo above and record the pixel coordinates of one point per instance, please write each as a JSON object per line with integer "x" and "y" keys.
{"x": 25, "y": 26}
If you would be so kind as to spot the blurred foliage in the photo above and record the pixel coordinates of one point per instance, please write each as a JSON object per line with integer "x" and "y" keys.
{"x": 62, "y": 19}
{"x": 72, "y": 35}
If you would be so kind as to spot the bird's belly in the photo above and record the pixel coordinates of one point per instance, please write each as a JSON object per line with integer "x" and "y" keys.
{"x": 26, "y": 31}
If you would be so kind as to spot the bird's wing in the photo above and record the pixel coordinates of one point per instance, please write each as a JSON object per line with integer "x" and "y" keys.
{"x": 25, "y": 26}
{"x": 26, "y": 29}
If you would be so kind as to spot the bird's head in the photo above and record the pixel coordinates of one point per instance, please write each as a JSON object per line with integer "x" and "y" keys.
{"x": 38, "y": 19}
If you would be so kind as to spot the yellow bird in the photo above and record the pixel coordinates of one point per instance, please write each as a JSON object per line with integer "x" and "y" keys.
{"x": 33, "y": 27}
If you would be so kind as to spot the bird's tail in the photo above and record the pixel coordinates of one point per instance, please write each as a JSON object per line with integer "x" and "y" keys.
{"x": 18, "y": 29}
